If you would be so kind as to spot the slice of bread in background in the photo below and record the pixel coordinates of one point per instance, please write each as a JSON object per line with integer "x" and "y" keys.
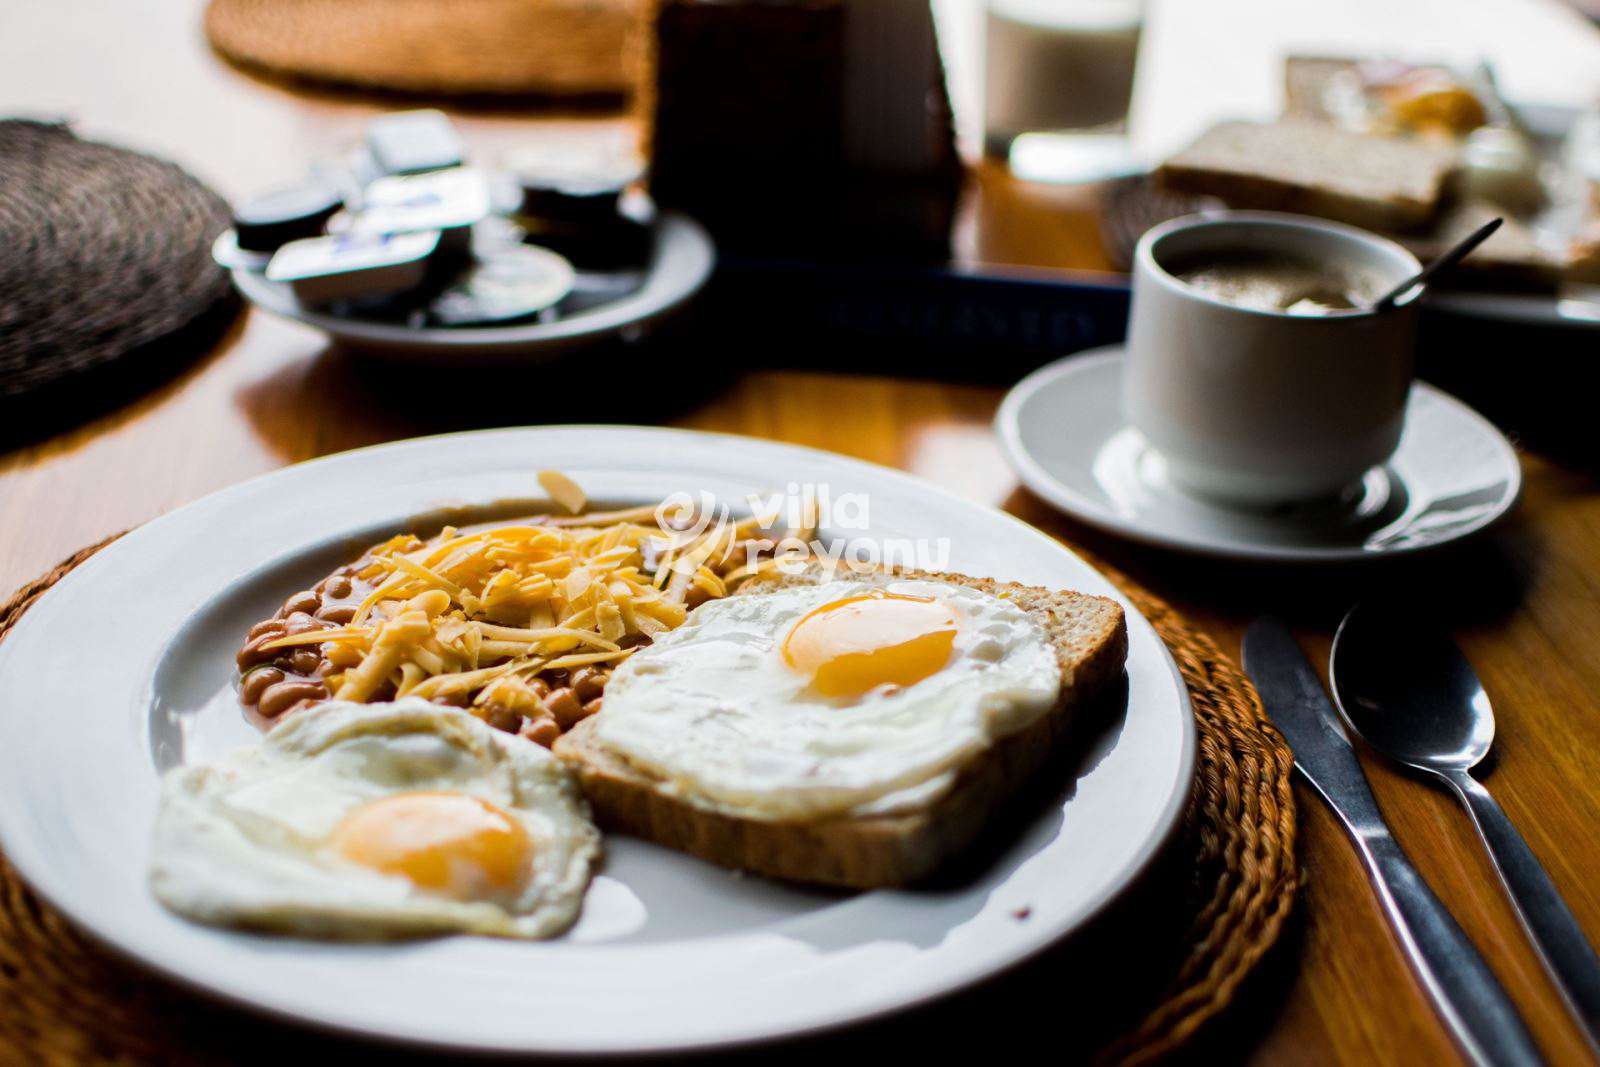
{"x": 1514, "y": 258}
{"x": 1315, "y": 169}
{"x": 1090, "y": 638}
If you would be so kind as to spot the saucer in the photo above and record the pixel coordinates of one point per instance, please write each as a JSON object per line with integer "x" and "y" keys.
{"x": 1063, "y": 432}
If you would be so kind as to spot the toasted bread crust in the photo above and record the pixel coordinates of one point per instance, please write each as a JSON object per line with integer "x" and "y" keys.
{"x": 1089, "y": 635}
{"x": 1314, "y": 169}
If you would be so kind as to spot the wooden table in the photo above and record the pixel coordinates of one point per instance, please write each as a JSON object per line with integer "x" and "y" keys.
{"x": 1525, "y": 601}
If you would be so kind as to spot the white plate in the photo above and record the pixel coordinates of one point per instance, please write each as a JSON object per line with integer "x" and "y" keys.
{"x": 124, "y": 667}
{"x": 1573, "y": 306}
{"x": 1063, "y": 432}
{"x": 679, "y": 267}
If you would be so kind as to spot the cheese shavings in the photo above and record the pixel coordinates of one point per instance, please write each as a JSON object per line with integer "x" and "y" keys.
{"x": 496, "y": 616}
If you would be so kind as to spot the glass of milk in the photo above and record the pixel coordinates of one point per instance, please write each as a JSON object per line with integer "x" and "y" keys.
{"x": 1058, "y": 78}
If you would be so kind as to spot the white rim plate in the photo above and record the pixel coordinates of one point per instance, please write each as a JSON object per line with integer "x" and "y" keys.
{"x": 1575, "y": 307}
{"x": 1063, "y": 432}
{"x": 679, "y": 267}
{"x": 671, "y": 953}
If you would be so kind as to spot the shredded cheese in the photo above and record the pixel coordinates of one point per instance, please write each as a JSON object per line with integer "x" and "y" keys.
{"x": 563, "y": 491}
{"x": 475, "y": 617}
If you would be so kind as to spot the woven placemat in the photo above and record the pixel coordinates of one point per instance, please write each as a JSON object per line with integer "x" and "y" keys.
{"x": 64, "y": 1001}
{"x": 437, "y": 47}
{"x": 104, "y": 253}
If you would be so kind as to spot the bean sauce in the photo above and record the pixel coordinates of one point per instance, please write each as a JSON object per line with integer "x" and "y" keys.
{"x": 279, "y": 681}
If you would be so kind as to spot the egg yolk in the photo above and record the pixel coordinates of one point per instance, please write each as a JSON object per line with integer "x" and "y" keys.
{"x": 852, "y": 646}
{"x": 450, "y": 843}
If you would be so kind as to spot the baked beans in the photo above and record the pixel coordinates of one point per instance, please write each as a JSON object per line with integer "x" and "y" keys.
{"x": 302, "y": 603}
{"x": 541, "y": 731}
{"x": 339, "y": 614}
{"x": 257, "y": 682}
{"x": 588, "y": 683}
{"x": 286, "y": 695}
{"x": 277, "y": 682}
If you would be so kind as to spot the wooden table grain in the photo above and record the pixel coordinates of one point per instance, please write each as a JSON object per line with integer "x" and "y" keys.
{"x": 1524, "y": 601}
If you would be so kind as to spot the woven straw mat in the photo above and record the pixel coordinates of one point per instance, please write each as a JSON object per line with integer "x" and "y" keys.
{"x": 437, "y": 47}
{"x": 103, "y": 252}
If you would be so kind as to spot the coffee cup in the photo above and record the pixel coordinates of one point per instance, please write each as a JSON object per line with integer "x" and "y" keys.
{"x": 1255, "y": 367}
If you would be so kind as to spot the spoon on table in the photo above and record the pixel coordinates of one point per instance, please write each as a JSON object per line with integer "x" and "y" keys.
{"x": 1449, "y": 258}
{"x": 1410, "y": 693}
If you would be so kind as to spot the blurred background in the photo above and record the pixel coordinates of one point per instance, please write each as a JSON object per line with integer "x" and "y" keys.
{"x": 947, "y": 192}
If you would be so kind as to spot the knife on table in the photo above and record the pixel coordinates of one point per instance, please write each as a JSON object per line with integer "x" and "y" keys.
{"x": 1464, "y": 991}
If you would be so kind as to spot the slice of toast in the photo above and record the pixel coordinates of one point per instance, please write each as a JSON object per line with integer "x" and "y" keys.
{"x": 1513, "y": 259}
{"x": 1312, "y": 168}
{"x": 1090, "y": 638}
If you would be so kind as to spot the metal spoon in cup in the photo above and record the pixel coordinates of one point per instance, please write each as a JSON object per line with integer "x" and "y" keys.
{"x": 1410, "y": 693}
{"x": 1449, "y": 258}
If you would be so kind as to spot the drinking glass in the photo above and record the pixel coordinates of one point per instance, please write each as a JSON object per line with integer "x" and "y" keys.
{"x": 1058, "y": 79}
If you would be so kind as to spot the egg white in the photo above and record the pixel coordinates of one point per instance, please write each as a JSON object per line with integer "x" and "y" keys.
{"x": 713, "y": 711}
{"x": 242, "y": 842}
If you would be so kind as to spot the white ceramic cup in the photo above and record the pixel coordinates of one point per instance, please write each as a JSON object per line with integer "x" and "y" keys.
{"x": 1257, "y": 407}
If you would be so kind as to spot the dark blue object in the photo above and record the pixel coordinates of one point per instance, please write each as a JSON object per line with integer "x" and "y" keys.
{"x": 913, "y": 319}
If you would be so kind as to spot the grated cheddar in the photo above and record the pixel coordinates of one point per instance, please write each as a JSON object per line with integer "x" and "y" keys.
{"x": 499, "y": 619}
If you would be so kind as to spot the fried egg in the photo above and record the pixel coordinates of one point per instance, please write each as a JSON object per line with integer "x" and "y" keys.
{"x": 857, "y": 694}
{"x": 377, "y": 820}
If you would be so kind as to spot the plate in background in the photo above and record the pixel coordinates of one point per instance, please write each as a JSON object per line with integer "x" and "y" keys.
{"x": 680, "y": 264}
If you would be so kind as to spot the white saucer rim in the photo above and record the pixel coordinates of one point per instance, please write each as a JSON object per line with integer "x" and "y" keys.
{"x": 1053, "y": 491}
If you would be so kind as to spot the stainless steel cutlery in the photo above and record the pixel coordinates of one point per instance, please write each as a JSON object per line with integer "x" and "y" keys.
{"x": 1464, "y": 991}
{"x": 1410, "y": 693}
